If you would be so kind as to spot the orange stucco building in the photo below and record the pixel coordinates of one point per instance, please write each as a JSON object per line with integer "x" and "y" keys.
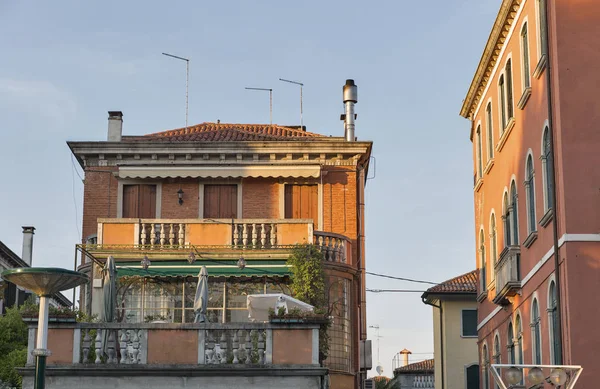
{"x": 533, "y": 111}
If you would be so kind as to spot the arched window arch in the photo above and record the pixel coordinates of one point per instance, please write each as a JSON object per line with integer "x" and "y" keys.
{"x": 493, "y": 240}
{"x": 525, "y": 57}
{"x": 478, "y": 152}
{"x": 509, "y": 90}
{"x": 519, "y": 342}
{"x": 510, "y": 344}
{"x": 548, "y": 175}
{"x": 485, "y": 363}
{"x": 502, "y": 98}
{"x": 514, "y": 206}
{"x": 553, "y": 325}
{"x": 530, "y": 194}
{"x": 490, "y": 131}
{"x": 483, "y": 259}
{"x": 536, "y": 333}
{"x": 497, "y": 353}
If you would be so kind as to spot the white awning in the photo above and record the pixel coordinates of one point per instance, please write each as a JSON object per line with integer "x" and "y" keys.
{"x": 220, "y": 171}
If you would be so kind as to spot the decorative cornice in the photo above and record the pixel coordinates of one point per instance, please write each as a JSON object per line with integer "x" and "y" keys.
{"x": 502, "y": 24}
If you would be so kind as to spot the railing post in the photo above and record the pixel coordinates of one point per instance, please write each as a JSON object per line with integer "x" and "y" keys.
{"x": 76, "y": 344}
{"x": 269, "y": 347}
{"x": 315, "y": 346}
{"x": 201, "y": 346}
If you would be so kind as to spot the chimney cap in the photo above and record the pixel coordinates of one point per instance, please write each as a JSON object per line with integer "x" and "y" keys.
{"x": 28, "y": 229}
{"x": 112, "y": 114}
{"x": 405, "y": 351}
{"x": 350, "y": 82}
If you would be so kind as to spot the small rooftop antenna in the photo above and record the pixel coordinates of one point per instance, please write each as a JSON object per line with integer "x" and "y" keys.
{"x": 187, "y": 81}
{"x": 270, "y": 100}
{"x": 301, "y": 85}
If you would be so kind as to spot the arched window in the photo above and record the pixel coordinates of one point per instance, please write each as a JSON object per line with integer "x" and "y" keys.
{"x": 553, "y": 321}
{"x": 509, "y": 90}
{"x": 530, "y": 193}
{"x": 525, "y": 57}
{"x": 497, "y": 353}
{"x": 490, "y": 131}
{"x": 510, "y": 344}
{"x": 548, "y": 174}
{"x": 519, "y": 345}
{"x": 478, "y": 152}
{"x": 536, "y": 333}
{"x": 514, "y": 206}
{"x": 506, "y": 219}
{"x": 485, "y": 363}
{"x": 502, "y": 91}
{"x": 472, "y": 376}
{"x": 483, "y": 273}
{"x": 493, "y": 240}
{"x": 541, "y": 8}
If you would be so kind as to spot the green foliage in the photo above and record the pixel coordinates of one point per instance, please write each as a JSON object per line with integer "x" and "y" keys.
{"x": 8, "y": 363}
{"x": 13, "y": 346}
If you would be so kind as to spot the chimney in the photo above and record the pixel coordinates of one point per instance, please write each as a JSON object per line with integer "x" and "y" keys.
{"x": 115, "y": 126}
{"x": 405, "y": 354}
{"x": 350, "y": 98}
{"x": 27, "y": 244}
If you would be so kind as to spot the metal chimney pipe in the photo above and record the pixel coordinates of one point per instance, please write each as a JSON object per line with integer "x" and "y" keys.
{"x": 350, "y": 98}
{"x": 27, "y": 252}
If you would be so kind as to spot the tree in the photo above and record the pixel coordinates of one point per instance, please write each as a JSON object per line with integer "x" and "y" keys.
{"x": 13, "y": 346}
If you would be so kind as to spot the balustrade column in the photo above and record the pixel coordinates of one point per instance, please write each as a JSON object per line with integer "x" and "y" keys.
{"x": 254, "y": 235}
{"x": 171, "y": 235}
{"x": 152, "y": 235}
{"x": 263, "y": 236}
{"x": 245, "y": 235}
{"x": 162, "y": 235}
{"x": 273, "y": 233}
{"x": 143, "y": 236}
{"x": 181, "y": 235}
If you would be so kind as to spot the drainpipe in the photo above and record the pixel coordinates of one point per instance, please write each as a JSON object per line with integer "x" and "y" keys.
{"x": 553, "y": 194}
{"x": 441, "y": 336}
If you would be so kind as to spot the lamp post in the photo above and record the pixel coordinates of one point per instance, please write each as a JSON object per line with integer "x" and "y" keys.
{"x": 44, "y": 282}
{"x": 535, "y": 376}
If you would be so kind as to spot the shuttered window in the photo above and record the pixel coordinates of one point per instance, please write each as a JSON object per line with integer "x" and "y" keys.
{"x": 220, "y": 201}
{"x": 469, "y": 322}
{"x": 301, "y": 202}
{"x": 139, "y": 201}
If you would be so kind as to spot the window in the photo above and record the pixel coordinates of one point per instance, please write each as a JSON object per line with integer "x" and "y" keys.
{"x": 497, "y": 355}
{"x": 530, "y": 189}
{"x": 509, "y": 90}
{"x": 502, "y": 89}
{"x": 483, "y": 261}
{"x": 548, "y": 174}
{"x": 472, "y": 377}
{"x": 519, "y": 345}
{"x": 490, "y": 132}
{"x": 541, "y": 8}
{"x": 479, "y": 163}
{"x": 302, "y": 202}
{"x": 525, "y": 57}
{"x": 485, "y": 362}
{"x": 220, "y": 201}
{"x": 139, "y": 201}
{"x": 510, "y": 344}
{"x": 506, "y": 218}
{"x": 514, "y": 214}
{"x": 536, "y": 333}
{"x": 469, "y": 322}
{"x": 494, "y": 240}
{"x": 553, "y": 321}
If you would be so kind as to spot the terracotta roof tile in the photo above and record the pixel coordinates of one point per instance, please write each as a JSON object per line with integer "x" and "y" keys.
{"x": 465, "y": 283}
{"x": 423, "y": 366}
{"x": 228, "y": 132}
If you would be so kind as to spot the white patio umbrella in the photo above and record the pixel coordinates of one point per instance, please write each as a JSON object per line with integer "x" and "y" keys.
{"x": 109, "y": 276}
{"x": 201, "y": 300}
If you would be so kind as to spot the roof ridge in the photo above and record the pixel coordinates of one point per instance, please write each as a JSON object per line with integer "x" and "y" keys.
{"x": 254, "y": 129}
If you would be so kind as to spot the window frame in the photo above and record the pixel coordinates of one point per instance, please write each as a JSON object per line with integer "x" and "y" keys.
{"x": 525, "y": 55}
{"x": 483, "y": 259}
{"x": 485, "y": 362}
{"x": 547, "y": 167}
{"x": 122, "y": 183}
{"x": 514, "y": 205}
{"x": 502, "y": 99}
{"x": 493, "y": 239}
{"x": 536, "y": 332}
{"x": 552, "y": 318}
{"x": 479, "y": 151}
{"x": 530, "y": 193}
{"x": 490, "y": 130}
{"x": 542, "y": 25}
{"x": 510, "y": 91}
{"x": 462, "y": 323}
{"x": 237, "y": 182}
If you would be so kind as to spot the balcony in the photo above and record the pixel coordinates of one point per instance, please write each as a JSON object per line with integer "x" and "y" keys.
{"x": 256, "y": 238}
{"x": 180, "y": 355}
{"x": 508, "y": 279}
{"x": 482, "y": 295}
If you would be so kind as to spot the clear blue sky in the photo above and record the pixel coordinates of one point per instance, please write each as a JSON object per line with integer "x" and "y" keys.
{"x": 66, "y": 63}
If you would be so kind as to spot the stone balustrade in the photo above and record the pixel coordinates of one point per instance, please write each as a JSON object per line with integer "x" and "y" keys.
{"x": 507, "y": 273}
{"x": 335, "y": 247}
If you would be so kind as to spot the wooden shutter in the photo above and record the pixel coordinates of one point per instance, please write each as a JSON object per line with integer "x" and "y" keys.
{"x": 130, "y": 200}
{"x": 302, "y": 202}
{"x": 139, "y": 201}
{"x": 220, "y": 201}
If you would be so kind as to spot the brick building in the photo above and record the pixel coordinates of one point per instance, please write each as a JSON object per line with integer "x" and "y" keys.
{"x": 533, "y": 115}
{"x": 215, "y": 193}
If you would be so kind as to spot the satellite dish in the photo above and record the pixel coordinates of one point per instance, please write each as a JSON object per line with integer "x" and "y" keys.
{"x": 379, "y": 369}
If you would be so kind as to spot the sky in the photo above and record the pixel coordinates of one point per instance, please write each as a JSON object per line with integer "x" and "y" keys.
{"x": 64, "y": 64}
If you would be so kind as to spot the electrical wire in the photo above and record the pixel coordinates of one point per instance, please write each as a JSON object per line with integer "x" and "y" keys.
{"x": 394, "y": 291}
{"x": 401, "y": 278}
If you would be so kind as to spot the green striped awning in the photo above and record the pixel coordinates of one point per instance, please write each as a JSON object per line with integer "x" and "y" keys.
{"x": 254, "y": 268}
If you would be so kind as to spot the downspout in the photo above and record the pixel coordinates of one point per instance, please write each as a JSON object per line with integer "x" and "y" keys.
{"x": 553, "y": 194}
{"x": 441, "y": 336}
{"x": 360, "y": 206}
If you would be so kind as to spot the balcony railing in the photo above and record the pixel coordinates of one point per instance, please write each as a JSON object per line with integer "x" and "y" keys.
{"x": 483, "y": 292}
{"x": 250, "y": 344}
{"x": 335, "y": 247}
{"x": 508, "y": 280}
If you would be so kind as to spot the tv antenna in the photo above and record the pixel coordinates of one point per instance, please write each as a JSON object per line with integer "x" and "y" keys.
{"x": 187, "y": 81}
{"x": 376, "y": 326}
{"x": 270, "y": 100}
{"x": 301, "y": 86}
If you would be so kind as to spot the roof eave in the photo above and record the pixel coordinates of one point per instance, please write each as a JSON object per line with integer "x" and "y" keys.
{"x": 449, "y": 296}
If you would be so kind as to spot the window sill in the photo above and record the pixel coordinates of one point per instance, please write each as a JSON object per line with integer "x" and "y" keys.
{"x": 505, "y": 134}
{"x": 549, "y": 215}
{"x": 478, "y": 184}
{"x": 530, "y": 239}
{"x": 469, "y": 336}
{"x": 488, "y": 166}
{"x": 524, "y": 98}
{"x": 482, "y": 296}
{"x": 541, "y": 66}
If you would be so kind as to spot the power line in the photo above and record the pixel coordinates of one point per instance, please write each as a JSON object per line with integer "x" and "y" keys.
{"x": 394, "y": 291}
{"x": 402, "y": 279}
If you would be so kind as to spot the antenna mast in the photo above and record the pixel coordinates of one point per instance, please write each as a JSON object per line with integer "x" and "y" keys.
{"x": 270, "y": 100}
{"x": 301, "y": 86}
{"x": 187, "y": 81}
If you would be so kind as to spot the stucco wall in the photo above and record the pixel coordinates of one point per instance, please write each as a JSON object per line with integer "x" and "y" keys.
{"x": 459, "y": 352}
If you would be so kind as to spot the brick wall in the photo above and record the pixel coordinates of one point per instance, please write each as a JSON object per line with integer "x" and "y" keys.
{"x": 99, "y": 198}
{"x": 170, "y": 208}
{"x": 339, "y": 201}
{"x": 260, "y": 198}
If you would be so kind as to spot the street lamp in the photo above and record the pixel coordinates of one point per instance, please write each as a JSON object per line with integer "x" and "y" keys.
{"x": 535, "y": 376}
{"x": 44, "y": 282}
